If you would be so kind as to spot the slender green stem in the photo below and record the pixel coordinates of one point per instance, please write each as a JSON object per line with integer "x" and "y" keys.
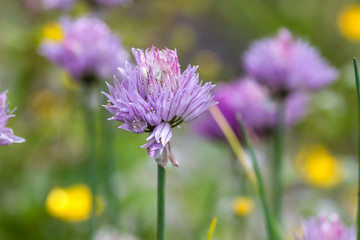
{"x": 271, "y": 224}
{"x": 161, "y": 203}
{"x": 90, "y": 116}
{"x": 277, "y": 186}
{"x": 358, "y": 99}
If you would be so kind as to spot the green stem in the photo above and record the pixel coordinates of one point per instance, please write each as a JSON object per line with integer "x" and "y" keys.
{"x": 277, "y": 186}
{"x": 271, "y": 224}
{"x": 358, "y": 99}
{"x": 161, "y": 203}
{"x": 90, "y": 116}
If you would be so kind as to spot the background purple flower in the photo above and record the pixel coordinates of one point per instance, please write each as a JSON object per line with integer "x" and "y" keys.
{"x": 155, "y": 96}
{"x": 295, "y": 108}
{"x": 87, "y": 49}
{"x": 244, "y": 96}
{"x": 326, "y": 228}
{"x": 6, "y": 134}
{"x": 58, "y": 4}
{"x": 253, "y": 102}
{"x": 286, "y": 64}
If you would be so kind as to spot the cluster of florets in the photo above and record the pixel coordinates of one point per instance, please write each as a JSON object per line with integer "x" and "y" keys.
{"x": 86, "y": 48}
{"x": 155, "y": 97}
{"x": 278, "y": 69}
{"x": 286, "y": 64}
{"x": 326, "y": 228}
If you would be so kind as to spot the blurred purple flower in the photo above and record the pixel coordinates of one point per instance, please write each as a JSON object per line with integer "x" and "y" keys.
{"x": 286, "y": 64}
{"x": 243, "y": 96}
{"x": 86, "y": 49}
{"x": 58, "y": 4}
{"x": 253, "y": 102}
{"x": 295, "y": 108}
{"x": 326, "y": 228}
{"x": 6, "y": 134}
{"x": 155, "y": 96}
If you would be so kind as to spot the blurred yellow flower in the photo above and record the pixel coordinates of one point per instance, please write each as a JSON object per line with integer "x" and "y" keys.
{"x": 349, "y": 22}
{"x": 72, "y": 204}
{"x": 210, "y": 64}
{"x": 52, "y": 31}
{"x": 48, "y": 105}
{"x": 319, "y": 167}
{"x": 242, "y": 206}
{"x": 43, "y": 103}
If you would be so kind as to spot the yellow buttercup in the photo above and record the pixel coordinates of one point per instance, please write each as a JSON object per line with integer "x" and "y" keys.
{"x": 53, "y": 32}
{"x": 318, "y": 167}
{"x": 242, "y": 206}
{"x": 349, "y": 22}
{"x": 72, "y": 204}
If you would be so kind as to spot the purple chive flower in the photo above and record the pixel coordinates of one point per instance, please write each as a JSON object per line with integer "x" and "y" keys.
{"x": 58, "y": 4}
{"x": 285, "y": 63}
{"x": 155, "y": 97}
{"x": 326, "y": 228}
{"x": 87, "y": 49}
{"x": 6, "y": 134}
{"x": 253, "y": 102}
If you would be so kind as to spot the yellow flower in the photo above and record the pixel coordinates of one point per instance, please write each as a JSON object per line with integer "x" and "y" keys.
{"x": 48, "y": 105}
{"x": 72, "y": 204}
{"x": 319, "y": 167}
{"x": 349, "y": 22}
{"x": 242, "y": 206}
{"x": 53, "y": 32}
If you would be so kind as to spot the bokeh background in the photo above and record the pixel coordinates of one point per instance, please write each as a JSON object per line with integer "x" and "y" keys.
{"x": 209, "y": 33}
